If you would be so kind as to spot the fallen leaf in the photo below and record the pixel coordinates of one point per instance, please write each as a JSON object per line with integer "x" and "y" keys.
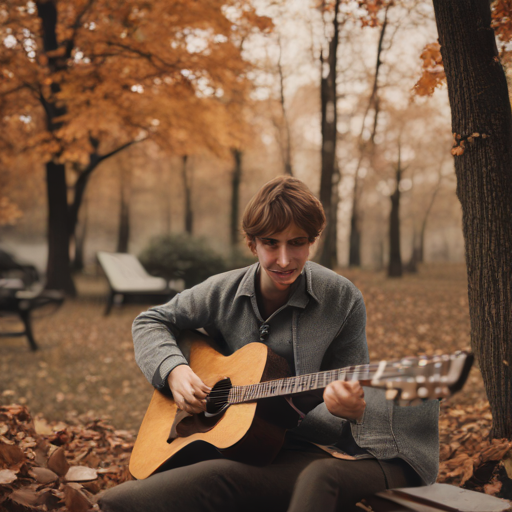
{"x": 493, "y": 488}
{"x": 81, "y": 474}
{"x": 10, "y": 454}
{"x": 75, "y": 500}
{"x": 42, "y": 427}
{"x": 26, "y": 497}
{"x": 43, "y": 475}
{"x": 58, "y": 463}
{"x": 7, "y": 476}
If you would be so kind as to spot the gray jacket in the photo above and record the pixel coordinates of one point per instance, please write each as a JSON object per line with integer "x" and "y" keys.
{"x": 324, "y": 322}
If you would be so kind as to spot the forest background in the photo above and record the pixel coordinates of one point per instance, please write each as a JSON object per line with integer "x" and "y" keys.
{"x": 122, "y": 123}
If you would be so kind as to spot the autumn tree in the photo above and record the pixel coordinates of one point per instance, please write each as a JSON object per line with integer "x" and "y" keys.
{"x": 85, "y": 79}
{"x": 482, "y": 128}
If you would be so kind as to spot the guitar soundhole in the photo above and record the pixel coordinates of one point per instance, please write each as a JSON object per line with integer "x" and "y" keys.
{"x": 216, "y": 403}
{"x": 218, "y": 399}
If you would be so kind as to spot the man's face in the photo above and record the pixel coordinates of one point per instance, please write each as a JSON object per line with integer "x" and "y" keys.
{"x": 282, "y": 257}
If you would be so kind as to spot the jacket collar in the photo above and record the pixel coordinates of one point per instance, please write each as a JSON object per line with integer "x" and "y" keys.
{"x": 300, "y": 296}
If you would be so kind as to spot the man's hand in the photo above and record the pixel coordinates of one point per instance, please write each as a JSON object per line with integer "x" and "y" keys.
{"x": 345, "y": 399}
{"x": 188, "y": 390}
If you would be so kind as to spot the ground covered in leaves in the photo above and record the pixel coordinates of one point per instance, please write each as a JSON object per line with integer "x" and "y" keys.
{"x": 87, "y": 396}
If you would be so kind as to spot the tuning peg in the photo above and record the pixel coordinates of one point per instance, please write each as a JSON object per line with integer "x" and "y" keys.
{"x": 422, "y": 392}
{"x": 391, "y": 394}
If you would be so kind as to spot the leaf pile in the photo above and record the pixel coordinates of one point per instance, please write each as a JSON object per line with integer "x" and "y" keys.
{"x": 468, "y": 458}
{"x": 58, "y": 466}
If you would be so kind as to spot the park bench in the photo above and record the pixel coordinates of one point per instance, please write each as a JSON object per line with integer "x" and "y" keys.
{"x": 433, "y": 498}
{"x": 21, "y": 293}
{"x": 129, "y": 281}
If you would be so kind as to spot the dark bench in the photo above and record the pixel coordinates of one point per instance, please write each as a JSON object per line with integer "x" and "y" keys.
{"x": 21, "y": 293}
{"x": 433, "y": 498}
{"x": 16, "y": 300}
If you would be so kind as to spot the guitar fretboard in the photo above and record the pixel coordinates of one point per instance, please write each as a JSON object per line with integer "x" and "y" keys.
{"x": 299, "y": 384}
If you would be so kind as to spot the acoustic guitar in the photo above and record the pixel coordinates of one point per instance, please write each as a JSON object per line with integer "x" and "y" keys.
{"x": 249, "y": 407}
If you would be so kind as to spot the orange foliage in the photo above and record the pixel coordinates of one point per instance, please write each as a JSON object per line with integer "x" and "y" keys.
{"x": 502, "y": 19}
{"x": 372, "y": 8}
{"x": 433, "y": 71}
{"x": 126, "y": 70}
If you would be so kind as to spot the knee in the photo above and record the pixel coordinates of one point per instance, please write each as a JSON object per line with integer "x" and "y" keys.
{"x": 119, "y": 498}
{"x": 321, "y": 473}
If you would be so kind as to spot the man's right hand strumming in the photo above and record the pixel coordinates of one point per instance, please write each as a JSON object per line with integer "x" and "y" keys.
{"x": 188, "y": 390}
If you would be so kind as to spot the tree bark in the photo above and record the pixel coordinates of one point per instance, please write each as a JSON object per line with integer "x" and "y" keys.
{"x": 187, "y": 188}
{"x": 123, "y": 238}
{"x": 479, "y": 101}
{"x": 395, "y": 268}
{"x": 58, "y": 272}
{"x": 58, "y": 269}
{"x": 354, "y": 259}
{"x": 287, "y": 150}
{"x": 329, "y": 136}
{"x": 235, "y": 196}
{"x": 80, "y": 235}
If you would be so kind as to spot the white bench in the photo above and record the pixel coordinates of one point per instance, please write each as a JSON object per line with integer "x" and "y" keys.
{"x": 128, "y": 278}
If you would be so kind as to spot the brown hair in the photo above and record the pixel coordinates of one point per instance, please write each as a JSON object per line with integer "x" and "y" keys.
{"x": 279, "y": 203}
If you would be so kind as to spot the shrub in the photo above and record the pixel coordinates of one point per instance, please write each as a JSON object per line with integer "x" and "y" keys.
{"x": 181, "y": 256}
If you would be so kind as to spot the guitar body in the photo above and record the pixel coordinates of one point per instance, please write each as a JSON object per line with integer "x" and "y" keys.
{"x": 248, "y": 432}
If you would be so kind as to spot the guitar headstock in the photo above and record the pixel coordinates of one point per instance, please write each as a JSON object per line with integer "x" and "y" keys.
{"x": 414, "y": 379}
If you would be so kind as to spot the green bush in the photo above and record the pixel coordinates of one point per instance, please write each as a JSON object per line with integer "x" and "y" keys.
{"x": 181, "y": 256}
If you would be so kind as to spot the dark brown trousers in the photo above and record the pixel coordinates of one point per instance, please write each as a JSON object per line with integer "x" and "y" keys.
{"x": 297, "y": 481}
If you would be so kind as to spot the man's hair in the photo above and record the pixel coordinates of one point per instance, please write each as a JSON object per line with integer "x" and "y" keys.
{"x": 279, "y": 203}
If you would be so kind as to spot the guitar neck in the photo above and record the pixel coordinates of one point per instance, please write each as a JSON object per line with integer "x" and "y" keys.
{"x": 299, "y": 384}
{"x": 419, "y": 377}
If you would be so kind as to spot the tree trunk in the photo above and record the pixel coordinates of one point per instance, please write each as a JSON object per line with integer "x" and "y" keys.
{"x": 287, "y": 151}
{"x": 187, "y": 188}
{"x": 235, "y": 196}
{"x": 479, "y": 100}
{"x": 412, "y": 265}
{"x": 329, "y": 135}
{"x": 421, "y": 246}
{"x": 123, "y": 238}
{"x": 167, "y": 206}
{"x": 79, "y": 236}
{"x": 395, "y": 259}
{"x": 58, "y": 274}
{"x": 58, "y": 269}
{"x": 354, "y": 259}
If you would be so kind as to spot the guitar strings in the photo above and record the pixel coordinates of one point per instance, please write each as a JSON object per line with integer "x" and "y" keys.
{"x": 343, "y": 372}
{"x": 260, "y": 386}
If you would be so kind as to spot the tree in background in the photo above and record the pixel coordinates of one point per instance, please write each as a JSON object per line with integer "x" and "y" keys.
{"x": 85, "y": 79}
{"x": 366, "y": 150}
{"x": 482, "y": 129}
{"x": 329, "y": 177}
{"x": 236, "y": 178}
{"x": 395, "y": 268}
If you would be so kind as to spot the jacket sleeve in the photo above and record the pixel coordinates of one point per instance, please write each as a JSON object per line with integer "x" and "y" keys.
{"x": 347, "y": 349}
{"x": 155, "y": 331}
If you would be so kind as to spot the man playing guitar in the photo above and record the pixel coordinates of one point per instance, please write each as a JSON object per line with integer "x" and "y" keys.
{"x": 350, "y": 446}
